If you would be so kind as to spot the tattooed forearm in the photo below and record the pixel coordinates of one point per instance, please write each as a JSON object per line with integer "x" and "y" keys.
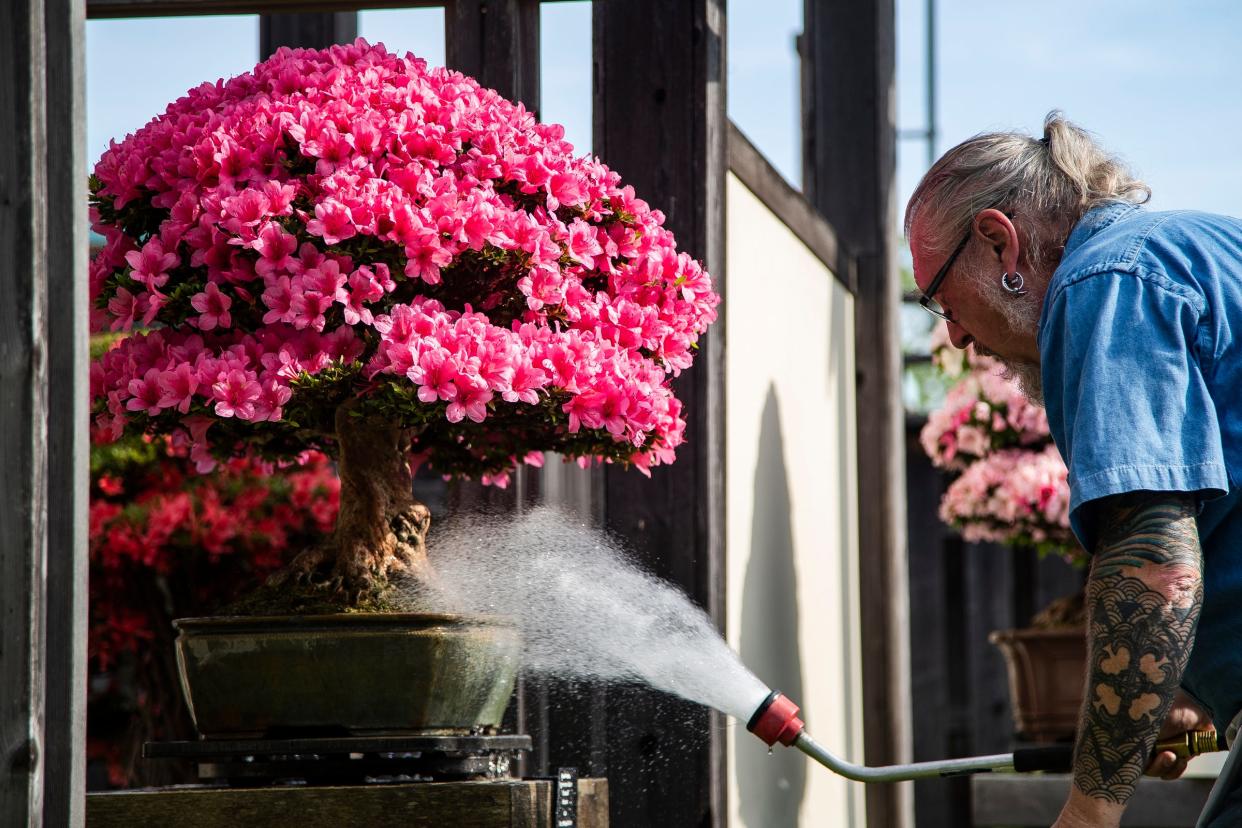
{"x": 1143, "y": 597}
{"x": 1145, "y": 528}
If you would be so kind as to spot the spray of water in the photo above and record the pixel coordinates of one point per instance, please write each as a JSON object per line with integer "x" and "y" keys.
{"x": 585, "y": 611}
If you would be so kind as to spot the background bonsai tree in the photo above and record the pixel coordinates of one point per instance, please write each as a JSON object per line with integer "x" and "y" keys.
{"x": 167, "y": 542}
{"x": 350, "y": 252}
{"x": 1010, "y": 485}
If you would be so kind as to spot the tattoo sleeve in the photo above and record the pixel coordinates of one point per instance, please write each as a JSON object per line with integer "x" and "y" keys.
{"x": 1143, "y": 600}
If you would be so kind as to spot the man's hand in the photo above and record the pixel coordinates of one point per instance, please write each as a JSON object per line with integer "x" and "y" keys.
{"x": 1184, "y": 716}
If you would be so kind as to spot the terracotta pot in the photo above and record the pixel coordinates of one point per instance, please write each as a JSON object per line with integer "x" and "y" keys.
{"x": 1047, "y": 676}
{"x": 356, "y": 673}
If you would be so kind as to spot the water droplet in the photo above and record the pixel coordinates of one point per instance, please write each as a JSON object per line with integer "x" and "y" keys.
{"x": 770, "y": 751}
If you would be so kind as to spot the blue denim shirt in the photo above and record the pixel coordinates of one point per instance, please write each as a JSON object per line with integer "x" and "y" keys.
{"x": 1142, "y": 372}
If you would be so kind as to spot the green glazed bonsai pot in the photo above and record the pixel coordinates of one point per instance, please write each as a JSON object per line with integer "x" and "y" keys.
{"x": 354, "y": 673}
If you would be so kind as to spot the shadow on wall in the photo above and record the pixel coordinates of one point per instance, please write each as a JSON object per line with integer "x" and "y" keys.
{"x": 771, "y": 787}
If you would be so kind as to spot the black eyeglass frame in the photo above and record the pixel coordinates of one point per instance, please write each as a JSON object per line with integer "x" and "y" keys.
{"x": 925, "y": 301}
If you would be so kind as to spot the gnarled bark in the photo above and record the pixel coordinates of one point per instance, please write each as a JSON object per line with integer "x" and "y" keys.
{"x": 381, "y": 529}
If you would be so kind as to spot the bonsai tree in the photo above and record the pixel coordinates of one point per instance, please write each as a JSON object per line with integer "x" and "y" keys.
{"x": 350, "y": 252}
{"x": 1011, "y": 486}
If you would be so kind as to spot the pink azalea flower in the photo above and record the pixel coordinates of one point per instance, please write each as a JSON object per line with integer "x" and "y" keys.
{"x": 472, "y": 404}
{"x": 151, "y": 264}
{"x": 279, "y": 299}
{"x": 241, "y": 213}
{"x": 177, "y": 387}
{"x": 426, "y": 257}
{"x": 307, "y": 309}
{"x": 326, "y": 279}
{"x": 275, "y": 248}
{"x": 122, "y": 306}
{"x": 213, "y": 307}
{"x": 436, "y": 375}
{"x": 145, "y": 393}
{"x": 235, "y": 395}
{"x": 582, "y": 244}
{"x": 332, "y": 221}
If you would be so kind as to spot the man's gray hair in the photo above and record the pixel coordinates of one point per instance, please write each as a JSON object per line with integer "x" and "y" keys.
{"x": 1045, "y": 184}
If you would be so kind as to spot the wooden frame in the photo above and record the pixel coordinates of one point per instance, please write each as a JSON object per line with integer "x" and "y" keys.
{"x": 23, "y": 410}
{"x": 849, "y": 157}
{"x": 176, "y": 8}
{"x": 497, "y": 43}
{"x": 68, "y": 442}
{"x": 43, "y": 355}
{"x": 790, "y": 206}
{"x": 661, "y": 123}
{"x": 311, "y": 30}
{"x": 664, "y": 128}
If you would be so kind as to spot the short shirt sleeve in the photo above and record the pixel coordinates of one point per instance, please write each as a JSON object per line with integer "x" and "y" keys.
{"x": 1127, "y": 402}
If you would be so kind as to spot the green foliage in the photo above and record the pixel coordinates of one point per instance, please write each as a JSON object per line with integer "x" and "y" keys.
{"x": 129, "y": 454}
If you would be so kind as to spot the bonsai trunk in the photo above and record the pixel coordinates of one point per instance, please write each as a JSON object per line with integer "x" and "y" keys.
{"x": 381, "y": 529}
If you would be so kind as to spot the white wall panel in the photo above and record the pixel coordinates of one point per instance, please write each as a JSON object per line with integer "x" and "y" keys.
{"x": 792, "y": 503}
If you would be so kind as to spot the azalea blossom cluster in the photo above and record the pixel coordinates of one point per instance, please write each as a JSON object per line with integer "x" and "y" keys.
{"x": 1011, "y": 495}
{"x": 349, "y": 224}
{"x": 1011, "y": 485}
{"x": 983, "y": 413}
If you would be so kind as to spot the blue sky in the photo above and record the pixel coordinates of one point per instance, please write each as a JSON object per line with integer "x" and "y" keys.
{"x": 1156, "y": 81}
{"x": 163, "y": 57}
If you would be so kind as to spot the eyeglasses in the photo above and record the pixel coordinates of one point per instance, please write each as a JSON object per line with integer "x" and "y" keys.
{"x": 926, "y": 300}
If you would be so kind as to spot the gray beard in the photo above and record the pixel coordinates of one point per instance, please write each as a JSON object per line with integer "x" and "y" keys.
{"x": 1028, "y": 377}
{"x": 1026, "y": 374}
{"x": 1022, "y": 314}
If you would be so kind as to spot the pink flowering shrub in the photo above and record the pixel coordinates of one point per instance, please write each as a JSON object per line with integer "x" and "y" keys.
{"x": 167, "y": 542}
{"x": 348, "y": 225}
{"x": 1011, "y": 485}
{"x": 1011, "y": 495}
{"x": 983, "y": 413}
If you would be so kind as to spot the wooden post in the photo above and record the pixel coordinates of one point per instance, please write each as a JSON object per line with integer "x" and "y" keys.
{"x": 849, "y": 161}
{"x": 496, "y": 42}
{"x": 23, "y": 409}
{"x": 68, "y": 444}
{"x": 309, "y": 30}
{"x": 173, "y": 8}
{"x": 660, "y": 122}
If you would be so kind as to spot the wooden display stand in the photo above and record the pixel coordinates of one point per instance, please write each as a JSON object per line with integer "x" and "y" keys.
{"x": 1034, "y": 800}
{"x": 517, "y": 803}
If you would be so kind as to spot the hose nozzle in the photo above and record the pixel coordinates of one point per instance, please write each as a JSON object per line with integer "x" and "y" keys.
{"x": 776, "y": 720}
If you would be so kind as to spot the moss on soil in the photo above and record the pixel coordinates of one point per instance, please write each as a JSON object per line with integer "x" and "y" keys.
{"x": 317, "y": 599}
{"x": 1063, "y": 613}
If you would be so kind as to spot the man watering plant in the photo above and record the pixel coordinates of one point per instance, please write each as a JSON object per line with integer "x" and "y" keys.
{"x": 1127, "y": 324}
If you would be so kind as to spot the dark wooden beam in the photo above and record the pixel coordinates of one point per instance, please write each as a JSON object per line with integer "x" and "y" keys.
{"x": 660, "y": 122}
{"x": 23, "y": 409}
{"x": 68, "y": 444}
{"x": 175, "y": 8}
{"x": 789, "y": 205}
{"x": 308, "y": 30}
{"x": 496, "y": 42}
{"x": 849, "y": 162}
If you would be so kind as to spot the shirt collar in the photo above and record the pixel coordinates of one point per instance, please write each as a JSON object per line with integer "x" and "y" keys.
{"x": 1095, "y": 220}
